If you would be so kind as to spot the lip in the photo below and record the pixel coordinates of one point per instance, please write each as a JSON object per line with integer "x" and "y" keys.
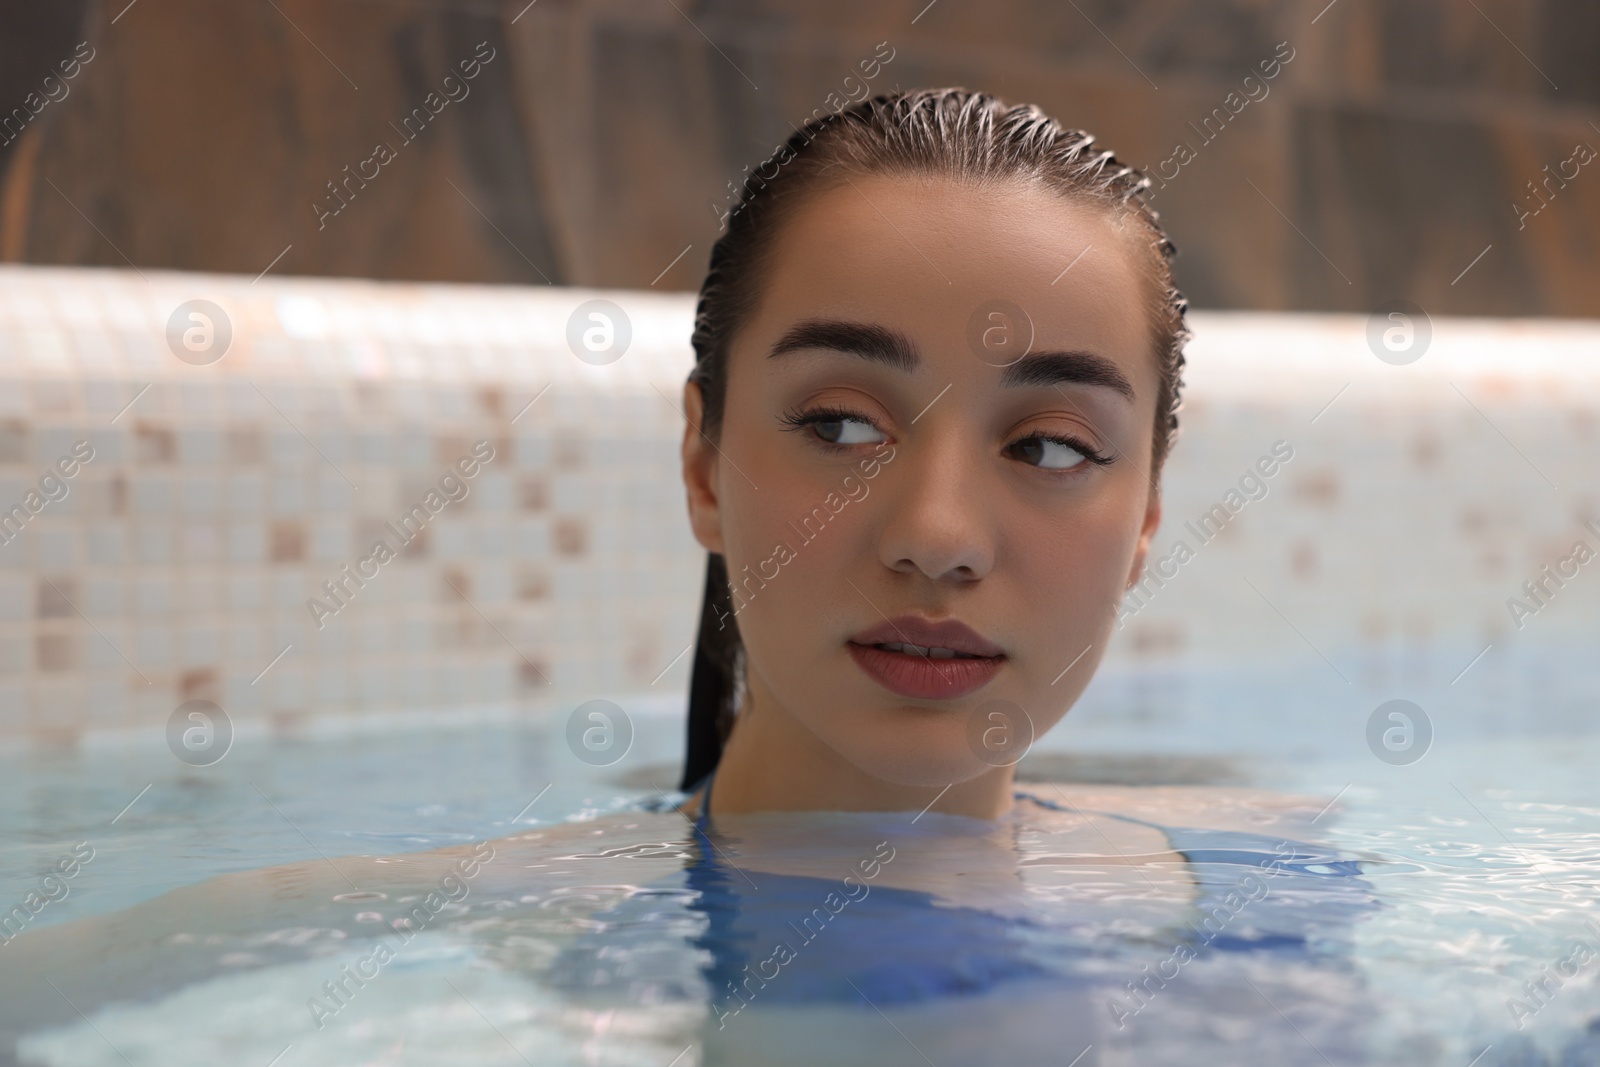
{"x": 945, "y": 633}
{"x": 921, "y": 677}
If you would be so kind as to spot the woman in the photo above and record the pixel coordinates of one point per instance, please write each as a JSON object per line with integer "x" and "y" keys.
{"x": 937, "y": 373}
{"x": 938, "y": 358}
{"x": 978, "y": 303}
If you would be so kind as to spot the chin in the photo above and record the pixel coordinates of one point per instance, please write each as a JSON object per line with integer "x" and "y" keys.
{"x": 910, "y": 755}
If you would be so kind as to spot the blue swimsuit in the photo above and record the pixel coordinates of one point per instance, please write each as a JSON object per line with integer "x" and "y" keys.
{"x": 897, "y": 946}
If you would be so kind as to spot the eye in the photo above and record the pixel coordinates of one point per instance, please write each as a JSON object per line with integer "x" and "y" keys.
{"x": 847, "y": 431}
{"x": 1050, "y": 452}
{"x": 836, "y": 426}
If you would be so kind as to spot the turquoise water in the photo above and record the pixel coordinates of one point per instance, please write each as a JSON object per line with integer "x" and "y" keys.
{"x": 1436, "y": 913}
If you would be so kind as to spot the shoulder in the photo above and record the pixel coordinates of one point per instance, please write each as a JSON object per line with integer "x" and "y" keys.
{"x": 1238, "y": 809}
{"x": 1085, "y": 830}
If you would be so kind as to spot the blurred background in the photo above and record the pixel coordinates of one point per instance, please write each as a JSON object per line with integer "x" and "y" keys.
{"x": 390, "y": 214}
{"x": 1396, "y": 142}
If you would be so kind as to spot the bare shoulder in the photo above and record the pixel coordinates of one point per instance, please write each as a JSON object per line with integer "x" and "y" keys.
{"x": 1196, "y": 807}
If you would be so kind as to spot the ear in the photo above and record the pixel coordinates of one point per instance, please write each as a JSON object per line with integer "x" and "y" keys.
{"x": 1147, "y": 531}
{"x": 701, "y": 473}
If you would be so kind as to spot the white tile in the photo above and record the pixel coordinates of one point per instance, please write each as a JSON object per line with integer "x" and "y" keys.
{"x": 247, "y": 542}
{"x": 245, "y": 643}
{"x": 290, "y": 495}
{"x": 152, "y": 645}
{"x": 152, "y": 595}
{"x": 152, "y": 542}
{"x": 16, "y": 651}
{"x": 331, "y": 541}
{"x": 200, "y": 446}
{"x": 150, "y": 495}
{"x": 199, "y": 645}
{"x": 102, "y": 597}
{"x": 245, "y": 491}
{"x": 202, "y": 494}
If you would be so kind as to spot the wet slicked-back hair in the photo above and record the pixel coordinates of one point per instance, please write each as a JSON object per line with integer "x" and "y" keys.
{"x": 952, "y": 134}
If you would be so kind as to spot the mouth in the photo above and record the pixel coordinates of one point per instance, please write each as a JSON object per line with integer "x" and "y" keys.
{"x": 926, "y": 660}
{"x": 931, "y": 652}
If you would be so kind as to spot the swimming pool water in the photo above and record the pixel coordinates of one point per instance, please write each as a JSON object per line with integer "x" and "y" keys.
{"x": 1440, "y": 911}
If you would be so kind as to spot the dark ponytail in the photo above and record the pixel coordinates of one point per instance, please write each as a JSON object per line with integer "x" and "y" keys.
{"x": 952, "y": 133}
{"x": 713, "y": 685}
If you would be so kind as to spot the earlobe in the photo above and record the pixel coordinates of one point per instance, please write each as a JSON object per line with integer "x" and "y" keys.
{"x": 700, "y": 469}
{"x": 1147, "y": 532}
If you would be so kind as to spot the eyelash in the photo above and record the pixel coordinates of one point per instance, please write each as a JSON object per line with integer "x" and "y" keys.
{"x": 797, "y": 421}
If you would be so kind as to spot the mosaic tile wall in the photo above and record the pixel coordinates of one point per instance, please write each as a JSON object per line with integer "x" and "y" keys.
{"x": 1420, "y": 497}
{"x": 222, "y": 497}
{"x": 218, "y": 543}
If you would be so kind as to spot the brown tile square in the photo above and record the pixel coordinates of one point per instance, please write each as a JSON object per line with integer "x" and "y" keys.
{"x": 1303, "y": 559}
{"x": 571, "y": 536}
{"x": 200, "y": 684}
{"x": 418, "y": 547}
{"x": 454, "y": 585}
{"x": 56, "y": 597}
{"x": 13, "y": 441}
{"x": 154, "y": 444}
{"x": 245, "y": 445}
{"x": 56, "y": 652}
{"x": 288, "y": 541}
{"x": 1319, "y": 487}
{"x": 570, "y": 452}
{"x": 532, "y": 673}
{"x": 448, "y": 448}
{"x": 532, "y": 584}
{"x": 533, "y": 493}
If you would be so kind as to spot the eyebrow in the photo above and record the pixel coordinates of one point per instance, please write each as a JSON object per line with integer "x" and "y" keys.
{"x": 891, "y": 348}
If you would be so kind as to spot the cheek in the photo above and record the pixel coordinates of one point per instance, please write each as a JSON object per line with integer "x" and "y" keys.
{"x": 787, "y": 553}
{"x": 1065, "y": 577}
{"x": 1080, "y": 553}
{"x": 785, "y": 550}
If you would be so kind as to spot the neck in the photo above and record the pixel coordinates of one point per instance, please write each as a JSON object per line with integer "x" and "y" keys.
{"x": 772, "y": 762}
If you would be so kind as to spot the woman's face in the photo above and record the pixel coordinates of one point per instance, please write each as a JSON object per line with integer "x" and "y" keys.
{"x": 895, "y": 453}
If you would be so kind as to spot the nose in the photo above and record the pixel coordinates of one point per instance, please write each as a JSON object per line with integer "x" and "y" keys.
{"x": 941, "y": 512}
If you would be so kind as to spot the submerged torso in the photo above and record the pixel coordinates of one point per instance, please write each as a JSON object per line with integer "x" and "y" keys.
{"x": 783, "y": 938}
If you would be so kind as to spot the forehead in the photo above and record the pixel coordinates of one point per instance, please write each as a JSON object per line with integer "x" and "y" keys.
{"x": 922, "y": 255}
